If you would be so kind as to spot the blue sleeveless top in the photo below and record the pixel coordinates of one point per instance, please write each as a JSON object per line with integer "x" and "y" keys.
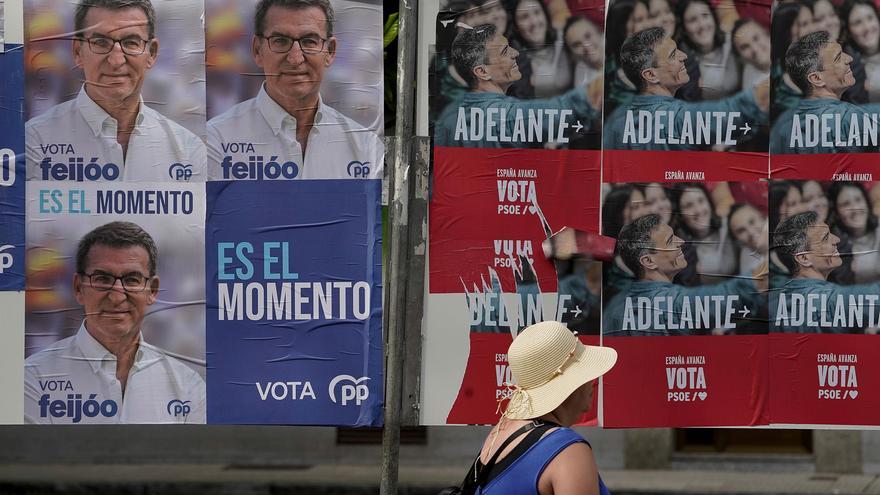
{"x": 521, "y": 477}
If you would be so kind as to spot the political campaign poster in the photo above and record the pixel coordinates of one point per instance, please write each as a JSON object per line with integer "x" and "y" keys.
{"x": 115, "y": 315}
{"x": 825, "y": 89}
{"x": 684, "y": 303}
{"x": 516, "y": 106}
{"x": 12, "y": 213}
{"x": 294, "y": 291}
{"x": 825, "y": 285}
{"x": 295, "y": 302}
{"x": 690, "y": 79}
{"x": 114, "y": 94}
{"x": 12, "y": 203}
{"x": 294, "y": 93}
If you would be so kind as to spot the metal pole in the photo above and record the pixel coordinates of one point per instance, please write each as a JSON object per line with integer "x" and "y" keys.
{"x": 399, "y": 258}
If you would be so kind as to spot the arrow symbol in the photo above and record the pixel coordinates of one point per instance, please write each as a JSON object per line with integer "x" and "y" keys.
{"x": 744, "y": 312}
{"x": 747, "y": 128}
{"x": 578, "y": 126}
{"x": 446, "y": 22}
{"x": 577, "y": 311}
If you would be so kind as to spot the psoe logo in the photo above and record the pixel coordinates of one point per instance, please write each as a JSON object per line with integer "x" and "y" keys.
{"x": 6, "y": 259}
{"x": 179, "y": 171}
{"x": 7, "y": 167}
{"x": 358, "y": 170}
{"x": 178, "y": 408}
{"x": 353, "y": 391}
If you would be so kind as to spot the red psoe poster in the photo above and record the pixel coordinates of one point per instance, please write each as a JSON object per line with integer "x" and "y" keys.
{"x": 516, "y": 113}
{"x": 685, "y": 136}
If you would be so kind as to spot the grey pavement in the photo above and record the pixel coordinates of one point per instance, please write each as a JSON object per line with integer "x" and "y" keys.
{"x": 219, "y": 479}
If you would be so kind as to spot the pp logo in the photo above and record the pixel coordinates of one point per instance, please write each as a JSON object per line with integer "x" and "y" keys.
{"x": 358, "y": 169}
{"x": 356, "y": 391}
{"x": 179, "y": 171}
{"x": 7, "y": 167}
{"x": 178, "y": 407}
{"x": 5, "y": 258}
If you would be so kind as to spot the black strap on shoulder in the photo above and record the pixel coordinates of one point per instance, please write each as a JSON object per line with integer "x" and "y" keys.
{"x": 485, "y": 472}
{"x": 536, "y": 433}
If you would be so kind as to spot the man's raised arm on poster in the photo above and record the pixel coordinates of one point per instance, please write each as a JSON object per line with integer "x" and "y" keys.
{"x": 485, "y": 117}
{"x": 656, "y": 120}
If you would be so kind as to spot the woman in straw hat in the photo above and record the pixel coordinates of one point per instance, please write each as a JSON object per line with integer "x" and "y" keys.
{"x": 555, "y": 374}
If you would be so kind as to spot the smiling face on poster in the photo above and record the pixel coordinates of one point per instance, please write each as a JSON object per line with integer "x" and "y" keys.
{"x": 293, "y": 92}
{"x": 682, "y": 266}
{"x": 825, "y": 257}
{"x": 825, "y": 97}
{"x": 115, "y": 318}
{"x": 518, "y": 75}
{"x": 113, "y": 91}
{"x": 692, "y": 81}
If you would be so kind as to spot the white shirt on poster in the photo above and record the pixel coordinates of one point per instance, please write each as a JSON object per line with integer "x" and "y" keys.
{"x": 82, "y": 132}
{"x": 256, "y": 140}
{"x": 159, "y": 389}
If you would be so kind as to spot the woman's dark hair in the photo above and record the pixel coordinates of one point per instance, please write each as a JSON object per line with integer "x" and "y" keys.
{"x": 619, "y": 12}
{"x": 549, "y": 38}
{"x": 613, "y": 207}
{"x": 784, "y": 17}
{"x": 742, "y": 21}
{"x": 834, "y": 217}
{"x": 777, "y": 192}
{"x": 811, "y": 4}
{"x": 678, "y": 223}
{"x": 680, "y": 33}
{"x": 845, "y": 12}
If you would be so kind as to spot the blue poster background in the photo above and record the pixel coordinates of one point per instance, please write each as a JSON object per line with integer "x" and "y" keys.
{"x": 12, "y": 177}
{"x": 258, "y": 368}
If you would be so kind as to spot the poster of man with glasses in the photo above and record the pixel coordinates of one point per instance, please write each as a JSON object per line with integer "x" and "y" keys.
{"x": 116, "y": 123}
{"x": 115, "y": 335}
{"x": 318, "y": 104}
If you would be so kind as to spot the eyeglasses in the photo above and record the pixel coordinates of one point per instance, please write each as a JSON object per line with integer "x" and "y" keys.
{"x": 310, "y": 45}
{"x": 132, "y": 282}
{"x": 102, "y": 45}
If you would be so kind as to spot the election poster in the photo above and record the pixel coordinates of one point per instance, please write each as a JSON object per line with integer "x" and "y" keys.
{"x": 684, "y": 303}
{"x": 294, "y": 277}
{"x": 257, "y": 80}
{"x": 689, "y": 79}
{"x": 161, "y": 287}
{"x": 295, "y": 302}
{"x": 83, "y": 94}
{"x": 516, "y": 107}
{"x": 12, "y": 212}
{"x": 823, "y": 301}
{"x": 86, "y": 241}
{"x": 11, "y": 153}
{"x": 825, "y": 89}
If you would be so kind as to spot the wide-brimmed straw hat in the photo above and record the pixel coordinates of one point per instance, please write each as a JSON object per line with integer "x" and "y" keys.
{"x": 548, "y": 363}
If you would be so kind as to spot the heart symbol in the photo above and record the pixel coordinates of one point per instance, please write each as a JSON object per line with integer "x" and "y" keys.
{"x": 853, "y": 393}
{"x": 702, "y": 395}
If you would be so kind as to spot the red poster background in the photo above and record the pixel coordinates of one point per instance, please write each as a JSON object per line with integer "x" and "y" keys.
{"x": 794, "y": 380}
{"x": 465, "y": 223}
{"x": 825, "y": 166}
{"x": 636, "y": 389}
{"x": 663, "y": 166}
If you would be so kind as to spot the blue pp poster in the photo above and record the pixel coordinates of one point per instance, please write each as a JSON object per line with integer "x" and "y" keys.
{"x": 294, "y": 302}
{"x": 12, "y": 204}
